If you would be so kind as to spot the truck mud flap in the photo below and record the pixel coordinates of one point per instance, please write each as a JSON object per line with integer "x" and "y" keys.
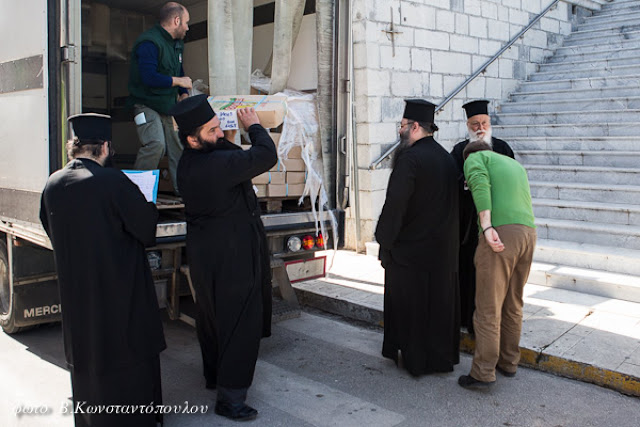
{"x": 36, "y": 303}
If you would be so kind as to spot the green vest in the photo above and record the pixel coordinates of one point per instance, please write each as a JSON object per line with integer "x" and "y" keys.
{"x": 169, "y": 62}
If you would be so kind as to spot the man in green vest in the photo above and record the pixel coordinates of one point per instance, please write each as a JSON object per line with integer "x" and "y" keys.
{"x": 156, "y": 83}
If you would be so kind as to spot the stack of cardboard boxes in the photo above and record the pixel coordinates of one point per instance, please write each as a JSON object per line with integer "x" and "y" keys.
{"x": 286, "y": 179}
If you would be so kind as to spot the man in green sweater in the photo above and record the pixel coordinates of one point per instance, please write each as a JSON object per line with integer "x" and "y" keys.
{"x": 156, "y": 83}
{"x": 500, "y": 190}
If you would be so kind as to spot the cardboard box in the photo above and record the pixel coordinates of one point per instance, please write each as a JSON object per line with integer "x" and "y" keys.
{"x": 261, "y": 190}
{"x": 277, "y": 167}
{"x": 285, "y": 190}
{"x": 295, "y": 152}
{"x": 254, "y": 91}
{"x": 295, "y": 190}
{"x": 296, "y": 177}
{"x": 270, "y": 178}
{"x": 271, "y": 109}
{"x": 277, "y": 190}
{"x": 294, "y": 165}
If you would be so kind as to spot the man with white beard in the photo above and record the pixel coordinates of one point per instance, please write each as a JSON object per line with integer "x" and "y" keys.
{"x": 479, "y": 129}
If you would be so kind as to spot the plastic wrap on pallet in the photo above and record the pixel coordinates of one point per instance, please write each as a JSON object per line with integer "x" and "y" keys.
{"x": 300, "y": 128}
{"x": 260, "y": 82}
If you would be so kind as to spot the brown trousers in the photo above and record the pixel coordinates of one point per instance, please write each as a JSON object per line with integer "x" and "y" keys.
{"x": 497, "y": 320}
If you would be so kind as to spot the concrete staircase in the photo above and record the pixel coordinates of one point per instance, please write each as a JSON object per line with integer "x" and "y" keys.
{"x": 575, "y": 126}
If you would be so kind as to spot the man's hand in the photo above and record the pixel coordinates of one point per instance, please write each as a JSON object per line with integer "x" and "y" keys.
{"x": 230, "y": 134}
{"x": 182, "y": 96}
{"x": 184, "y": 82}
{"x": 248, "y": 117}
{"x": 493, "y": 239}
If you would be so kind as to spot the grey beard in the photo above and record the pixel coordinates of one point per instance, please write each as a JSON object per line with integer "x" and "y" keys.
{"x": 486, "y": 138}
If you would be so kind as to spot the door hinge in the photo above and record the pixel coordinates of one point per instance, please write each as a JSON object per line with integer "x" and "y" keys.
{"x": 68, "y": 54}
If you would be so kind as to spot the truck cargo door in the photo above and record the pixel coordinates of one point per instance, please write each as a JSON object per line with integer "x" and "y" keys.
{"x": 28, "y": 87}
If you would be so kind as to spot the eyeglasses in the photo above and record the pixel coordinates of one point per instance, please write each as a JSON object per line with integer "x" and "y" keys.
{"x": 402, "y": 125}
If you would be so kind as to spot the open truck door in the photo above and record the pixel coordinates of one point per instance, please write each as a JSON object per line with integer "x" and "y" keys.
{"x": 30, "y": 141}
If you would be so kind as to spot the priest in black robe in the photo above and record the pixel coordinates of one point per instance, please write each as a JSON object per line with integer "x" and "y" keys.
{"x": 418, "y": 236}
{"x": 226, "y": 247}
{"x": 479, "y": 128}
{"x": 99, "y": 224}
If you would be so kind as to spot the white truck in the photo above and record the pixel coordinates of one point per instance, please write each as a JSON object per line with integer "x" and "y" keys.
{"x": 63, "y": 57}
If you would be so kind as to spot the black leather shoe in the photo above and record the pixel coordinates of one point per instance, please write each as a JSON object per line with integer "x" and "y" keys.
{"x": 467, "y": 381}
{"x": 505, "y": 373}
{"x": 235, "y": 411}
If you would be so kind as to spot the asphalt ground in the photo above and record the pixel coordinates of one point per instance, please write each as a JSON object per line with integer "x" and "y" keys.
{"x": 317, "y": 370}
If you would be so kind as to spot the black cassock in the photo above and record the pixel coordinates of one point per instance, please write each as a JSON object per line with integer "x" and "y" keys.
{"x": 418, "y": 236}
{"x": 99, "y": 224}
{"x": 228, "y": 255}
{"x": 469, "y": 233}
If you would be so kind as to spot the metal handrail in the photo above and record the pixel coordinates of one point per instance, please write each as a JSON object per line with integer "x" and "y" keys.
{"x": 479, "y": 71}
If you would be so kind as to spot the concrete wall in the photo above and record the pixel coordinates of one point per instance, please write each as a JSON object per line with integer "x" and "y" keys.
{"x": 441, "y": 43}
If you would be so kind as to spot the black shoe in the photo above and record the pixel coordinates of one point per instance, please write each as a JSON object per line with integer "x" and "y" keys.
{"x": 505, "y": 373}
{"x": 235, "y": 411}
{"x": 467, "y": 381}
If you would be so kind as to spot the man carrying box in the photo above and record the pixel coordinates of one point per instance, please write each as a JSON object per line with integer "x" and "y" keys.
{"x": 227, "y": 247}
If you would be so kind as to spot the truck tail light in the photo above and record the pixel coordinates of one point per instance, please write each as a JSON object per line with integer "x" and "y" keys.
{"x": 308, "y": 242}
{"x": 294, "y": 244}
{"x": 320, "y": 241}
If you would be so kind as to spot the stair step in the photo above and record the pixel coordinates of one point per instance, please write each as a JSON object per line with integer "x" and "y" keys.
{"x": 600, "y": 54}
{"x": 584, "y": 255}
{"x": 613, "y": 235}
{"x": 622, "y": 21}
{"x": 595, "y": 282}
{"x": 574, "y": 104}
{"x": 617, "y": 70}
{"x": 605, "y": 38}
{"x": 596, "y": 47}
{"x": 569, "y": 95}
{"x": 568, "y": 130}
{"x": 630, "y": 11}
{"x": 593, "y": 63}
{"x": 571, "y": 191}
{"x": 609, "y": 213}
{"x": 584, "y": 174}
{"x": 581, "y": 83}
{"x": 567, "y": 117}
{"x": 619, "y": 5}
{"x": 619, "y": 159}
{"x": 606, "y": 29}
{"x": 602, "y": 144}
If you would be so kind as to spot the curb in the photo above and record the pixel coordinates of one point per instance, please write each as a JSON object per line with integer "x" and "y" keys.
{"x": 626, "y": 384}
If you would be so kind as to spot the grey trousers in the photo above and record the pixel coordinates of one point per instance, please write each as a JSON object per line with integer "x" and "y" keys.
{"x": 157, "y": 137}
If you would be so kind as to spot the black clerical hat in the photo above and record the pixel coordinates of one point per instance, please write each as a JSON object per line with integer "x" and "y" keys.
{"x": 476, "y": 107}
{"x": 419, "y": 110}
{"x": 91, "y": 128}
{"x": 192, "y": 113}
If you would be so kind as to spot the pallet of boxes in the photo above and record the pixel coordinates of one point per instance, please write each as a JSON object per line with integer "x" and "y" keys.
{"x": 286, "y": 180}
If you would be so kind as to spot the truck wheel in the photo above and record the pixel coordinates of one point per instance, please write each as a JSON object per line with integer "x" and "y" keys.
{"x": 7, "y": 313}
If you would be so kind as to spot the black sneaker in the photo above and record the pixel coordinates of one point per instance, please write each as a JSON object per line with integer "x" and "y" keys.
{"x": 467, "y": 381}
{"x": 236, "y": 412}
{"x": 505, "y": 373}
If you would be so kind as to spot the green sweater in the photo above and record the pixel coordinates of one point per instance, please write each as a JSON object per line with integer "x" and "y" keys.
{"x": 500, "y": 184}
{"x": 160, "y": 99}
